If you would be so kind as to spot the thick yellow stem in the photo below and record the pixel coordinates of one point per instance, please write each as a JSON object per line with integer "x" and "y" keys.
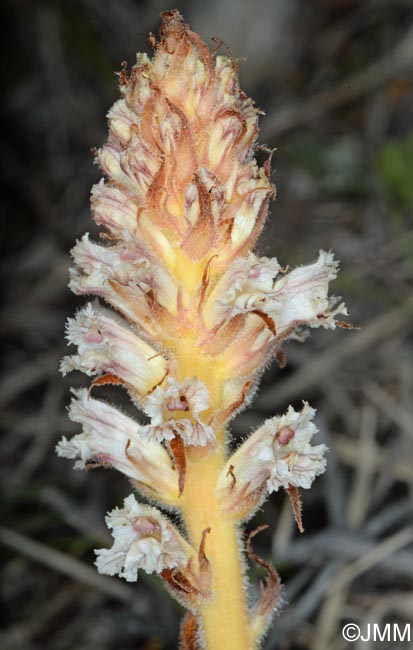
{"x": 224, "y": 618}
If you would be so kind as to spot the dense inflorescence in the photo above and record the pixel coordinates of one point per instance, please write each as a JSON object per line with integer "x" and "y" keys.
{"x": 193, "y": 317}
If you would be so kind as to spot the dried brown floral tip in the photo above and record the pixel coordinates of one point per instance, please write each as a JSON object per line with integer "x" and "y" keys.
{"x": 297, "y": 507}
{"x": 188, "y": 639}
{"x": 263, "y": 611}
{"x": 202, "y": 558}
{"x": 178, "y": 451}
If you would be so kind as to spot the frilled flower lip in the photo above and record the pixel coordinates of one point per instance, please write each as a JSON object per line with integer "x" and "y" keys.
{"x": 285, "y": 444}
{"x": 143, "y": 539}
{"x": 175, "y": 411}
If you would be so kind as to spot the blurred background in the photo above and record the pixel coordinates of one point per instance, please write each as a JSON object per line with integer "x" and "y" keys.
{"x": 335, "y": 80}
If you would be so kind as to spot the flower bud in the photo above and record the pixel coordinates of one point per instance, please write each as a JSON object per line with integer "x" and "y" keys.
{"x": 122, "y": 121}
{"x": 113, "y": 210}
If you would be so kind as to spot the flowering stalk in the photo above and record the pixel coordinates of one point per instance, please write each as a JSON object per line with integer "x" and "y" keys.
{"x": 199, "y": 315}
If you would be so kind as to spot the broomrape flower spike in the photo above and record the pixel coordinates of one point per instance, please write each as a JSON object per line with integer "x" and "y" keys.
{"x": 192, "y": 317}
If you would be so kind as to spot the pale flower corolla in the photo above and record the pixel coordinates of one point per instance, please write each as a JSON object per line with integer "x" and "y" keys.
{"x": 126, "y": 277}
{"x": 143, "y": 539}
{"x": 278, "y": 454}
{"x": 284, "y": 446}
{"x": 110, "y": 438}
{"x": 176, "y": 410}
{"x": 106, "y": 346}
{"x": 290, "y": 300}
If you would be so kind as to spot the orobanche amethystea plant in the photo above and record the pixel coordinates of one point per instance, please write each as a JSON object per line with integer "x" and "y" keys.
{"x": 192, "y": 317}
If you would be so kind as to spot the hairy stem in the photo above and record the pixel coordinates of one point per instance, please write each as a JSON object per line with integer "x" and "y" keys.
{"x": 224, "y": 618}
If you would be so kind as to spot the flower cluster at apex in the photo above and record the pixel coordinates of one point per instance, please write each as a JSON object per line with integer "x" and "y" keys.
{"x": 194, "y": 315}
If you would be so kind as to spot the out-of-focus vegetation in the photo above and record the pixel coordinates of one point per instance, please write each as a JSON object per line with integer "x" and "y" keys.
{"x": 335, "y": 80}
{"x": 395, "y": 162}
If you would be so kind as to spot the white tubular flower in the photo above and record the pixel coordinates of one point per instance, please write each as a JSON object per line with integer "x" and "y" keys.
{"x": 143, "y": 539}
{"x": 176, "y": 411}
{"x": 250, "y": 208}
{"x": 285, "y": 446}
{"x": 116, "y": 274}
{"x": 105, "y": 346}
{"x": 122, "y": 276}
{"x": 301, "y": 297}
{"x": 297, "y": 298}
{"x": 278, "y": 454}
{"x": 110, "y": 438}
